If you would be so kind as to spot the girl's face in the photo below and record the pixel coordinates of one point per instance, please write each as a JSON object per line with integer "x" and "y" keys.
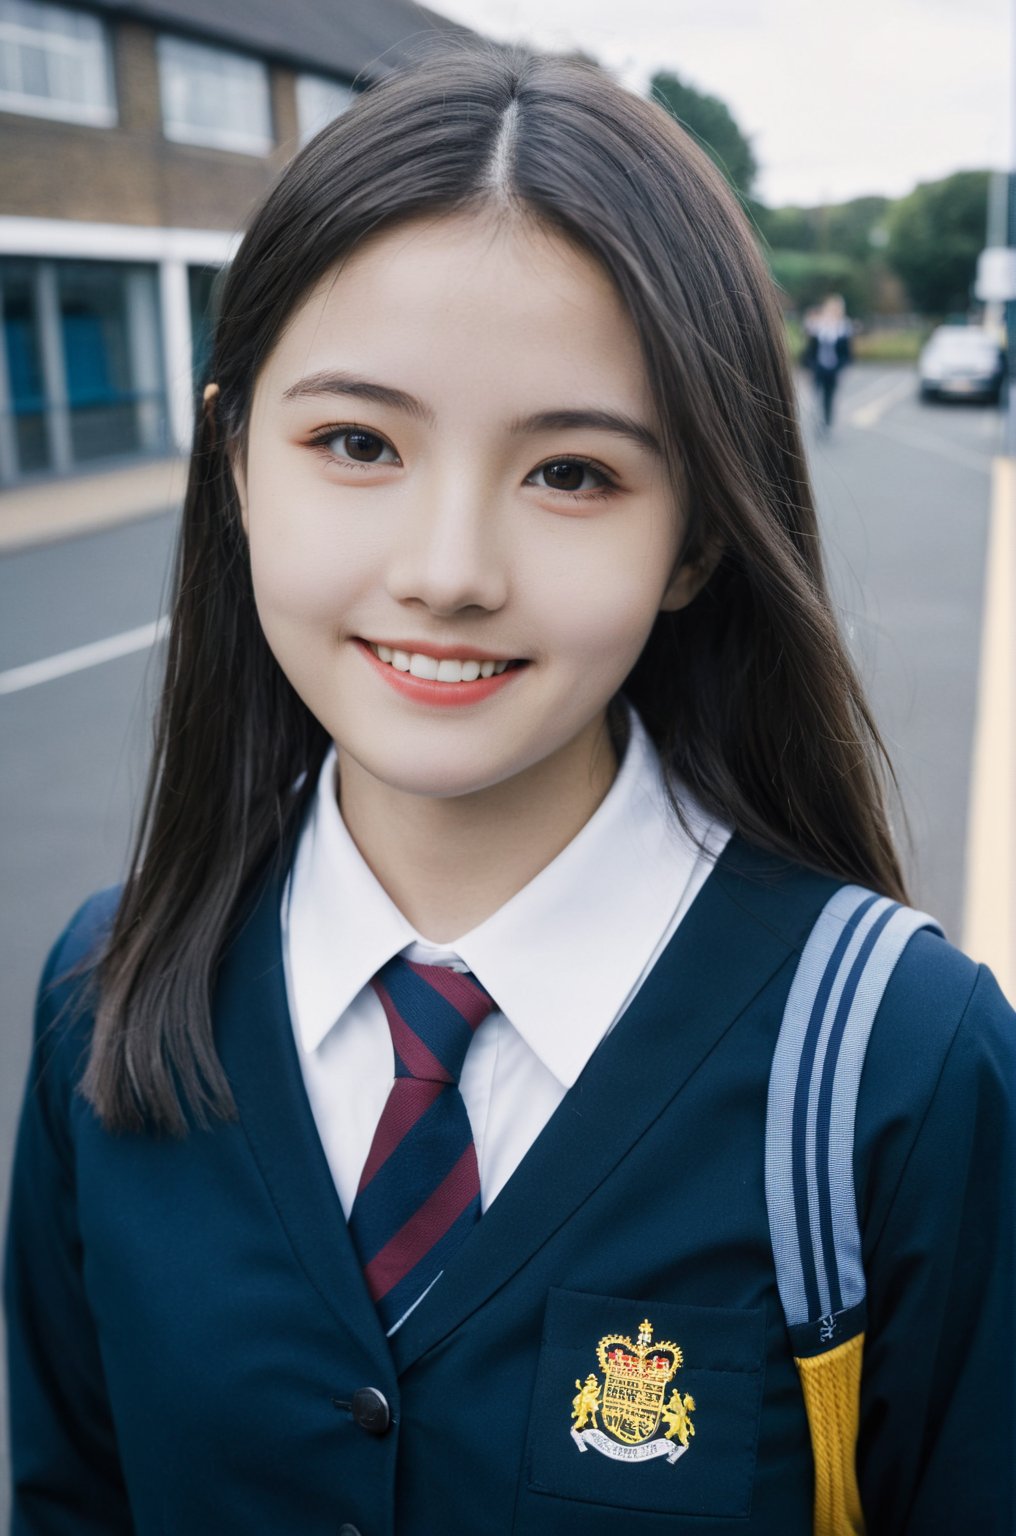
{"x": 452, "y": 456}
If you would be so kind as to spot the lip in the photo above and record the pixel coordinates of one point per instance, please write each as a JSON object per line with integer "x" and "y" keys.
{"x": 459, "y": 652}
{"x": 421, "y": 690}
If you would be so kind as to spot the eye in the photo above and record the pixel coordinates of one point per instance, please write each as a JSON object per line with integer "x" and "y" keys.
{"x": 355, "y": 444}
{"x": 574, "y": 475}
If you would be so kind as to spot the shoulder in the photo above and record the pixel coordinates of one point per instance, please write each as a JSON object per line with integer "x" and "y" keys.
{"x": 942, "y": 1031}
{"x": 938, "y": 1002}
{"x": 63, "y": 1005}
{"x": 944, "y": 1039}
{"x": 85, "y": 929}
{"x": 77, "y": 947}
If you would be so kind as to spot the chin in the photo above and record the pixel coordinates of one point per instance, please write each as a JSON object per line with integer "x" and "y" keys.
{"x": 440, "y": 774}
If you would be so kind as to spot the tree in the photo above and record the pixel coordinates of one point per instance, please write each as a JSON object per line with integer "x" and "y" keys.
{"x": 835, "y": 248}
{"x": 710, "y": 123}
{"x": 935, "y": 236}
{"x": 788, "y": 228}
{"x": 856, "y": 228}
{"x": 807, "y": 277}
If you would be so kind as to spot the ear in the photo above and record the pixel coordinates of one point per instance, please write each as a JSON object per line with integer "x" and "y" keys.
{"x": 689, "y": 579}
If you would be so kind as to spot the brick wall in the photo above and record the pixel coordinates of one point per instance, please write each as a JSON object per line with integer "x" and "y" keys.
{"x": 131, "y": 174}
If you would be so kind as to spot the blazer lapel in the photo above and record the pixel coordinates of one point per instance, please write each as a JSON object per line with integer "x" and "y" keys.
{"x": 258, "y": 1051}
{"x": 752, "y": 912}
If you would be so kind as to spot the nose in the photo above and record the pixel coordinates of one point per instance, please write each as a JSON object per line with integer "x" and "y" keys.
{"x": 449, "y": 553}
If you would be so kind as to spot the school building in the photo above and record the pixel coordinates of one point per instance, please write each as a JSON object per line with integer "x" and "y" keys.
{"x": 137, "y": 135}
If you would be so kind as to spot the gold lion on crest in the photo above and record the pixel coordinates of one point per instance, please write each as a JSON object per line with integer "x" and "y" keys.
{"x": 586, "y": 1405}
{"x": 675, "y": 1415}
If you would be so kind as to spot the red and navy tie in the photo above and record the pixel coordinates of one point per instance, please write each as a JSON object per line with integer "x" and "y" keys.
{"x": 419, "y": 1193}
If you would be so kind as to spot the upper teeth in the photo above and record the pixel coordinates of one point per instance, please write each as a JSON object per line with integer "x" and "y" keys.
{"x": 422, "y": 665}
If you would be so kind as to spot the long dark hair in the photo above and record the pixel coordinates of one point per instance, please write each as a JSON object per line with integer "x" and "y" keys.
{"x": 748, "y": 693}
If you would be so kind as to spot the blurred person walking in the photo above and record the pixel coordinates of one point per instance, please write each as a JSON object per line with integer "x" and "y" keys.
{"x": 828, "y": 350}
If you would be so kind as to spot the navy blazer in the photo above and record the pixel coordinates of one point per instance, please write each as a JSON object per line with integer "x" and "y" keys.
{"x": 189, "y": 1327}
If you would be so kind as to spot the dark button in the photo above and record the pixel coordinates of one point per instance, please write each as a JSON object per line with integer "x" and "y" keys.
{"x": 370, "y": 1410}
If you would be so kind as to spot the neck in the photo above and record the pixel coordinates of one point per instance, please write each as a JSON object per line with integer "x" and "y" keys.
{"x": 448, "y": 864}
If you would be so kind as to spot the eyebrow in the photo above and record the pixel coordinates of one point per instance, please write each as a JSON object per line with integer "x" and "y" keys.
{"x": 348, "y": 384}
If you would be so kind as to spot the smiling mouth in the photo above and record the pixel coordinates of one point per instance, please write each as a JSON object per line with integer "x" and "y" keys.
{"x": 448, "y": 670}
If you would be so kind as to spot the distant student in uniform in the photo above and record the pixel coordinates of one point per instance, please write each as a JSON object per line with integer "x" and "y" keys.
{"x": 828, "y": 351}
{"x": 434, "y": 1131}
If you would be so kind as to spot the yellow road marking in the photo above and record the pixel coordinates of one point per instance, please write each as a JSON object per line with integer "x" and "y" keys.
{"x": 989, "y": 920}
{"x": 867, "y": 415}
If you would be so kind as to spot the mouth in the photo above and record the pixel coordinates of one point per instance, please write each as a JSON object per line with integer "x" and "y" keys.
{"x": 441, "y": 669}
{"x": 440, "y": 682}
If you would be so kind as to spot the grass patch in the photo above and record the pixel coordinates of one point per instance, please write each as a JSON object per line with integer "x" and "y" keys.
{"x": 872, "y": 346}
{"x": 889, "y": 346}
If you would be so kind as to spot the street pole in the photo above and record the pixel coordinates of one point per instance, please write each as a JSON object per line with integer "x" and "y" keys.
{"x": 1010, "y": 308}
{"x": 989, "y": 915}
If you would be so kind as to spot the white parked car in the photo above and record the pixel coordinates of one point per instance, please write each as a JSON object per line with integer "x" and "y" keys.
{"x": 960, "y": 361}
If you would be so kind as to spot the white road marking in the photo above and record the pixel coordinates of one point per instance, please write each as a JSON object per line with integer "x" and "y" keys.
{"x": 867, "y": 414}
{"x": 945, "y": 450}
{"x": 82, "y": 656}
{"x": 989, "y": 918}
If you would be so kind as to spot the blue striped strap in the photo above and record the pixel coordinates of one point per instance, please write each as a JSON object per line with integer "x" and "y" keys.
{"x": 840, "y": 979}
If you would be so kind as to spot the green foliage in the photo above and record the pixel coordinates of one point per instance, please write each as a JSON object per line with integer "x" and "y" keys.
{"x": 787, "y": 229}
{"x": 709, "y": 121}
{"x": 935, "y": 236}
{"x": 855, "y": 229}
{"x": 806, "y": 277}
{"x": 795, "y": 337}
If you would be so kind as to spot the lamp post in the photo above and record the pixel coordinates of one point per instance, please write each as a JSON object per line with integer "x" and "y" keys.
{"x": 996, "y": 266}
{"x": 1010, "y": 308}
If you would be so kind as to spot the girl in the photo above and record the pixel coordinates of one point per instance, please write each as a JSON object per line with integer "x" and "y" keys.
{"x": 393, "y": 1156}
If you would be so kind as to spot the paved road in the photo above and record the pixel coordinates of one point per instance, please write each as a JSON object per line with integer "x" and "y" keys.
{"x": 71, "y": 763}
{"x": 903, "y": 492}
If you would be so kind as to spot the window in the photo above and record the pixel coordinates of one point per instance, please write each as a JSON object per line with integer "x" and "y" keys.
{"x": 55, "y": 62}
{"x": 109, "y": 325}
{"x": 318, "y": 100}
{"x": 26, "y": 389}
{"x": 82, "y": 363}
{"x": 211, "y": 96}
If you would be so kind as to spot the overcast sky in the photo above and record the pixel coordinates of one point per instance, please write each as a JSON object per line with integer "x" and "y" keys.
{"x": 839, "y": 97}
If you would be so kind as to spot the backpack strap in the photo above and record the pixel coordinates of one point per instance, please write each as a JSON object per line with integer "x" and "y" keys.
{"x": 837, "y": 988}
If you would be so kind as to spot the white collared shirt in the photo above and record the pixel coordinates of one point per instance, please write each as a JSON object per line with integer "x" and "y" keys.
{"x": 562, "y": 958}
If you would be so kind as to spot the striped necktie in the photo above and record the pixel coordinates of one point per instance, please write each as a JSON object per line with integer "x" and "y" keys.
{"x": 419, "y": 1193}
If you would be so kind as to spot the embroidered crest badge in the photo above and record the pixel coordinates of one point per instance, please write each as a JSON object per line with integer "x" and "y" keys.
{"x": 630, "y": 1401}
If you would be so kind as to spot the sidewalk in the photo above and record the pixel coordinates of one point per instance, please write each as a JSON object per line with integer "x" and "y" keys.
{"x": 61, "y": 509}
{"x": 989, "y": 925}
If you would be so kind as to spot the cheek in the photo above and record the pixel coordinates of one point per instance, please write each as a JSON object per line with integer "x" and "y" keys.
{"x": 291, "y": 585}
{"x": 602, "y": 601}
{"x": 305, "y": 567}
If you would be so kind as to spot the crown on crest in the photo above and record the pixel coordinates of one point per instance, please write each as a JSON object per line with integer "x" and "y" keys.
{"x": 641, "y": 1360}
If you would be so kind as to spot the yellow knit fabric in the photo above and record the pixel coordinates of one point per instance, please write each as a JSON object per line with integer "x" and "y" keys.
{"x": 832, "y": 1392}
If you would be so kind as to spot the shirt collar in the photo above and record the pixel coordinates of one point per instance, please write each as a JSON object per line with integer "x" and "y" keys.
{"x": 560, "y": 958}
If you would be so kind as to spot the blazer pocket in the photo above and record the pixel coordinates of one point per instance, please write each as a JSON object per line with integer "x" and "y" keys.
{"x": 645, "y": 1405}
